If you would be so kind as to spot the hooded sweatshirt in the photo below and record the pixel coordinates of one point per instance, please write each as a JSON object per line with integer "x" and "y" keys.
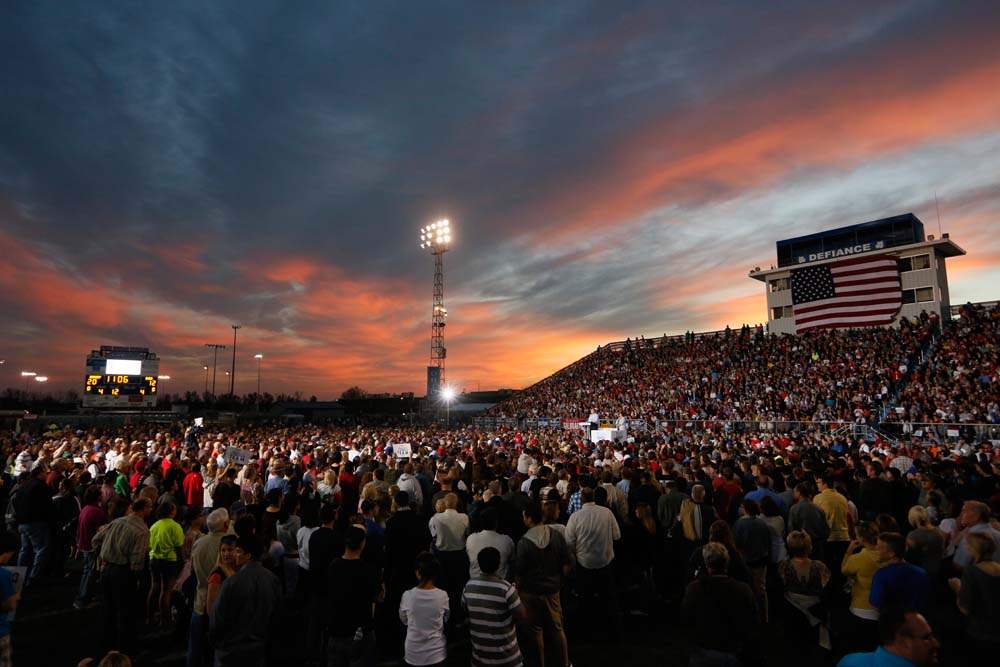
{"x": 541, "y": 555}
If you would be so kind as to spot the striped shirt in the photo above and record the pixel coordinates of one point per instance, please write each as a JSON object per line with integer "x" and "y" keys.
{"x": 491, "y": 603}
{"x": 125, "y": 541}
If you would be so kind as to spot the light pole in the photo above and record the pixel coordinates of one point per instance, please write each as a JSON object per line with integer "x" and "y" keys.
{"x": 215, "y": 363}
{"x": 436, "y": 238}
{"x": 259, "y": 357}
{"x": 206, "y": 378}
{"x": 232, "y": 378}
{"x": 26, "y": 375}
{"x": 41, "y": 378}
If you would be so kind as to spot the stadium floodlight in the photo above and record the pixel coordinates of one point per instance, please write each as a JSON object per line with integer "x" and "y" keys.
{"x": 448, "y": 394}
{"x": 162, "y": 377}
{"x": 41, "y": 378}
{"x": 436, "y": 236}
{"x": 28, "y": 374}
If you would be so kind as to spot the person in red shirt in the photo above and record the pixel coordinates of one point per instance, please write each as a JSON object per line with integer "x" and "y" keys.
{"x": 193, "y": 487}
{"x": 92, "y": 517}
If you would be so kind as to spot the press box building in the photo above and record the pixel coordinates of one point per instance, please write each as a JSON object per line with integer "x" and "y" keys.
{"x": 923, "y": 276}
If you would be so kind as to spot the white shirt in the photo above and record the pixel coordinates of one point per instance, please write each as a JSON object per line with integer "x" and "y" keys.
{"x": 302, "y": 539}
{"x": 424, "y": 613}
{"x": 410, "y": 484}
{"x": 590, "y": 535}
{"x": 526, "y": 484}
{"x": 449, "y": 528}
{"x": 489, "y": 538}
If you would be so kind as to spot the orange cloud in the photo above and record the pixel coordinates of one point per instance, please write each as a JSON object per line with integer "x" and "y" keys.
{"x": 844, "y": 118}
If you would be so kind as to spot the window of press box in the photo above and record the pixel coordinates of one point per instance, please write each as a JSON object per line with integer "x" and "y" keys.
{"x": 781, "y": 311}
{"x": 779, "y": 284}
{"x": 925, "y": 294}
{"x": 909, "y": 296}
{"x": 914, "y": 263}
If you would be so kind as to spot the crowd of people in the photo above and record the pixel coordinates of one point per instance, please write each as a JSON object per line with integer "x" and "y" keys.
{"x": 332, "y": 545}
{"x": 959, "y": 382}
{"x": 505, "y": 539}
{"x": 826, "y": 375}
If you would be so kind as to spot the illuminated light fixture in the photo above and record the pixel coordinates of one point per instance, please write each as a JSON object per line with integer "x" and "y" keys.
{"x": 28, "y": 374}
{"x": 448, "y": 394}
{"x": 41, "y": 378}
{"x": 162, "y": 377}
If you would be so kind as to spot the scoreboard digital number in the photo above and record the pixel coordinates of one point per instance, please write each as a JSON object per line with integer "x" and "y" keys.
{"x": 121, "y": 378}
{"x": 120, "y": 385}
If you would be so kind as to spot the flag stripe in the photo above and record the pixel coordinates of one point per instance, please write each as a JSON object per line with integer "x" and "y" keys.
{"x": 849, "y": 312}
{"x": 856, "y": 270}
{"x": 849, "y": 322}
{"x": 858, "y": 260}
{"x": 866, "y": 278}
{"x": 846, "y": 302}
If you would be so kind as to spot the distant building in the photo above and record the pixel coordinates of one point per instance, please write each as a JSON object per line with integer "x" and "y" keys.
{"x": 920, "y": 261}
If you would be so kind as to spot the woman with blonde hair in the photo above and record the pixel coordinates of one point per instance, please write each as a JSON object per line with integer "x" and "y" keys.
{"x": 925, "y": 543}
{"x": 250, "y": 484}
{"x": 210, "y": 475}
{"x": 805, "y": 581}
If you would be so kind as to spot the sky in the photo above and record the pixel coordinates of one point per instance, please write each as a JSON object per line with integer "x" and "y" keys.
{"x": 611, "y": 169}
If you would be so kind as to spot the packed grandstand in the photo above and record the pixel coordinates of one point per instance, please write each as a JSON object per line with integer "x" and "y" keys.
{"x": 771, "y": 499}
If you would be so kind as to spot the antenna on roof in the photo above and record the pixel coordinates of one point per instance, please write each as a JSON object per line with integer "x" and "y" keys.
{"x": 938, "y": 207}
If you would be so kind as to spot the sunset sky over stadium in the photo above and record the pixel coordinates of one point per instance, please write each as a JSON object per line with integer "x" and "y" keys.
{"x": 611, "y": 168}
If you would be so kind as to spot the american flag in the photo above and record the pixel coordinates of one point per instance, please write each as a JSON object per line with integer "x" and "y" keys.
{"x": 856, "y": 292}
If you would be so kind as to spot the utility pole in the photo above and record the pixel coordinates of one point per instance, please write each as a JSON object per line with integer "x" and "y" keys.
{"x": 232, "y": 375}
{"x": 215, "y": 363}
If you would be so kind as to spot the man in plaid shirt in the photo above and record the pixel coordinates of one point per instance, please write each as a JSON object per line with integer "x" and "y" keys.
{"x": 575, "y": 503}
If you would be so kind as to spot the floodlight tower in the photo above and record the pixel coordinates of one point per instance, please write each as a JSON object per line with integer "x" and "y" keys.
{"x": 436, "y": 237}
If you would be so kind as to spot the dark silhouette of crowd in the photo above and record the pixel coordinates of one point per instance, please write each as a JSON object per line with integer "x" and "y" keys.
{"x": 329, "y": 545}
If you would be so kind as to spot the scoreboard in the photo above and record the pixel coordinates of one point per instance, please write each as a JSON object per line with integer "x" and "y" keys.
{"x": 121, "y": 377}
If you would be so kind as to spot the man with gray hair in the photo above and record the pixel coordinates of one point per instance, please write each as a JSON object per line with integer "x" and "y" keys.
{"x": 719, "y": 613}
{"x": 204, "y": 556}
{"x": 975, "y": 518}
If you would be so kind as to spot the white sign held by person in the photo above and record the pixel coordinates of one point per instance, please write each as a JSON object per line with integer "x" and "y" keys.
{"x": 402, "y": 450}
{"x": 17, "y": 574}
{"x": 236, "y": 456}
{"x": 199, "y": 421}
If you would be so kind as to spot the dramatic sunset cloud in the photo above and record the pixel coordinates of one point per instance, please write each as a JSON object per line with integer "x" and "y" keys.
{"x": 612, "y": 169}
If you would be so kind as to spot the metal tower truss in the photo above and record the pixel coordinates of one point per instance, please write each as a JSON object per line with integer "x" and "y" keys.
{"x": 438, "y": 315}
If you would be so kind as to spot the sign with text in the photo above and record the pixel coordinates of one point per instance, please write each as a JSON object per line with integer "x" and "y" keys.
{"x": 402, "y": 450}
{"x": 237, "y": 456}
